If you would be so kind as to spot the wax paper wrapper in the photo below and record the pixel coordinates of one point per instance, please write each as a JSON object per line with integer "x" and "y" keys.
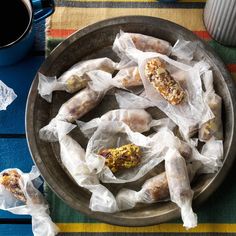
{"x": 115, "y": 134}
{"x": 127, "y": 100}
{"x": 7, "y": 96}
{"x": 142, "y": 42}
{"x": 179, "y": 186}
{"x": 81, "y": 103}
{"x": 212, "y": 128}
{"x": 184, "y": 51}
{"x": 153, "y": 190}
{"x": 73, "y": 158}
{"x": 35, "y": 204}
{"x": 192, "y": 111}
{"x": 138, "y": 120}
{"x": 211, "y": 156}
{"x": 74, "y": 79}
{"x": 129, "y": 77}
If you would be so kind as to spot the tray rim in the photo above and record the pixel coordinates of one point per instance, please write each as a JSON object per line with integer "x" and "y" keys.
{"x": 108, "y": 218}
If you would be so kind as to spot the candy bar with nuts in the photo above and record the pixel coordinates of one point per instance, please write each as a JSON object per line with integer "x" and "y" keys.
{"x": 160, "y": 78}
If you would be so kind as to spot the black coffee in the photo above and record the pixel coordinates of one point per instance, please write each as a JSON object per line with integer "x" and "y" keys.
{"x": 14, "y": 19}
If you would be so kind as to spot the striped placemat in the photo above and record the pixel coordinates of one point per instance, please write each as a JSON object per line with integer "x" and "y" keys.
{"x": 218, "y": 214}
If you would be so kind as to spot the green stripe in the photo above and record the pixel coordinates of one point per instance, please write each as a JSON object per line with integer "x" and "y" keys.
{"x": 227, "y": 54}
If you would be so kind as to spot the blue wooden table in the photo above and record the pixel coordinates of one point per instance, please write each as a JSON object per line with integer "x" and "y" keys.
{"x": 13, "y": 146}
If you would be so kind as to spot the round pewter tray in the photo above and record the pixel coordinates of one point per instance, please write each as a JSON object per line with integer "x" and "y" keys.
{"x": 95, "y": 41}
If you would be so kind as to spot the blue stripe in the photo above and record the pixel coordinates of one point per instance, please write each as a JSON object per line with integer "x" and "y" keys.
{"x": 16, "y": 230}
{"x": 81, "y": 4}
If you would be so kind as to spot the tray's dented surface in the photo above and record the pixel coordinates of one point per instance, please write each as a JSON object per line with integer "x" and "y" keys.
{"x": 95, "y": 41}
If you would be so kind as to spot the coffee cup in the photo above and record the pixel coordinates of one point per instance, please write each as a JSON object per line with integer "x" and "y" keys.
{"x": 17, "y": 27}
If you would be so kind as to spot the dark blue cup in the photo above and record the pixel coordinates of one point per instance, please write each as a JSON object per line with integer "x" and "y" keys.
{"x": 17, "y": 29}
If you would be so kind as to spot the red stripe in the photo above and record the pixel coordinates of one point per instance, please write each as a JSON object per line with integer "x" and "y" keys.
{"x": 63, "y": 33}
{"x": 60, "y": 33}
{"x": 232, "y": 67}
{"x": 202, "y": 34}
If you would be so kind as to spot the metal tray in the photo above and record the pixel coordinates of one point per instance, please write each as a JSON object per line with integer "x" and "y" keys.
{"x": 95, "y": 41}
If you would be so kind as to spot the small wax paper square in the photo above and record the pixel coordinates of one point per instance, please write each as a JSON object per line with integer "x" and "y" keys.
{"x": 7, "y": 96}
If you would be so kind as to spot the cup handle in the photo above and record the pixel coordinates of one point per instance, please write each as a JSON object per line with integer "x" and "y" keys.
{"x": 42, "y": 9}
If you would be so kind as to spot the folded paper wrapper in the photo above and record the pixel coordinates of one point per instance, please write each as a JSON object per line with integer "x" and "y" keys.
{"x": 7, "y": 96}
{"x": 35, "y": 205}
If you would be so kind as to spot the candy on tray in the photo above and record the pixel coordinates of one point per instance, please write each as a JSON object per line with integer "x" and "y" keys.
{"x": 129, "y": 77}
{"x": 138, "y": 120}
{"x": 75, "y": 78}
{"x": 142, "y": 42}
{"x": 73, "y": 158}
{"x": 192, "y": 111}
{"x": 213, "y": 127}
{"x": 113, "y": 134}
{"x": 155, "y": 189}
{"x": 163, "y": 82}
{"x": 179, "y": 186}
{"x": 125, "y": 157}
{"x": 81, "y": 103}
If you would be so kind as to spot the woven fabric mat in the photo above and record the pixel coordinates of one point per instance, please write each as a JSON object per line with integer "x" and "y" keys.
{"x": 218, "y": 214}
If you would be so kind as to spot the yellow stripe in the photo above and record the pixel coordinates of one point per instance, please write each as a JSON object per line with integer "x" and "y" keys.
{"x": 77, "y": 18}
{"x": 162, "y": 228}
{"x": 131, "y": 0}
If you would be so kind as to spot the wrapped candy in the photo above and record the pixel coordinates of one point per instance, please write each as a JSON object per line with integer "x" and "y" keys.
{"x": 73, "y": 79}
{"x": 211, "y": 156}
{"x": 85, "y": 100}
{"x": 81, "y": 103}
{"x": 129, "y": 77}
{"x": 213, "y": 127}
{"x": 191, "y": 111}
{"x": 179, "y": 186}
{"x": 142, "y": 42}
{"x": 138, "y": 120}
{"x": 18, "y": 195}
{"x": 164, "y": 137}
{"x": 163, "y": 82}
{"x": 111, "y": 134}
{"x": 124, "y": 157}
{"x": 155, "y": 189}
{"x": 73, "y": 158}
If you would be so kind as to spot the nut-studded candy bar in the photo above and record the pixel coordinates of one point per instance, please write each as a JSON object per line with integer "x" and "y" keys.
{"x": 124, "y": 157}
{"x": 10, "y": 180}
{"x": 160, "y": 78}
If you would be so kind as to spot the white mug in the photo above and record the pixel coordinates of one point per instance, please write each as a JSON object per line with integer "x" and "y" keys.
{"x": 220, "y": 20}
